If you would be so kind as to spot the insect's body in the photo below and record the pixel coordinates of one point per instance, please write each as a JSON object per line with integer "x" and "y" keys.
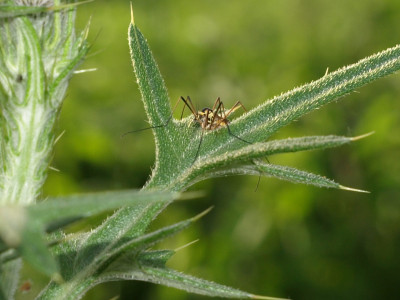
{"x": 212, "y": 118}
{"x": 208, "y": 118}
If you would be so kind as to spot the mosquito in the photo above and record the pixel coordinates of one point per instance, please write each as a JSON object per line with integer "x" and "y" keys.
{"x": 208, "y": 118}
{"x": 212, "y": 118}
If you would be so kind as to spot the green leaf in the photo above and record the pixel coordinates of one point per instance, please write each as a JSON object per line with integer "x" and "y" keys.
{"x": 9, "y": 11}
{"x": 178, "y": 142}
{"x": 25, "y": 226}
{"x": 193, "y": 284}
{"x": 155, "y": 100}
{"x": 82, "y": 257}
{"x": 156, "y": 258}
{"x": 294, "y": 175}
{"x": 249, "y": 153}
{"x": 114, "y": 250}
{"x": 84, "y": 205}
{"x": 147, "y": 240}
{"x": 150, "y": 268}
{"x": 35, "y": 251}
{"x": 126, "y": 224}
{"x": 9, "y": 278}
{"x": 26, "y": 235}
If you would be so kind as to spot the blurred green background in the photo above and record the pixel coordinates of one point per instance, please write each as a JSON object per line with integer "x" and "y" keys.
{"x": 283, "y": 240}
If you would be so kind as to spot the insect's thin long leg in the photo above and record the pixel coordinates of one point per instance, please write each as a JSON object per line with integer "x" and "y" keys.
{"x": 190, "y": 105}
{"x": 193, "y": 105}
{"x": 230, "y": 132}
{"x": 235, "y": 107}
{"x": 183, "y": 109}
{"x": 215, "y": 115}
{"x": 220, "y": 112}
{"x": 198, "y": 147}
{"x": 259, "y": 176}
{"x": 258, "y": 183}
{"x": 203, "y": 128}
{"x": 216, "y": 103}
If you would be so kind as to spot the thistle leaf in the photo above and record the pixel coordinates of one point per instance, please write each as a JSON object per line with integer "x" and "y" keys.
{"x": 150, "y": 267}
{"x": 84, "y": 205}
{"x": 184, "y": 151}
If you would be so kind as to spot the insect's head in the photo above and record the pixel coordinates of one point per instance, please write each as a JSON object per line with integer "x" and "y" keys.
{"x": 206, "y": 109}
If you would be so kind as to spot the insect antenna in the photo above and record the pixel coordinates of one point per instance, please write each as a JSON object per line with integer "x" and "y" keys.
{"x": 150, "y": 127}
{"x": 156, "y": 126}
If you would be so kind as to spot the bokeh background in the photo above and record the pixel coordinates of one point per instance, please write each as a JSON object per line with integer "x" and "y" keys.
{"x": 283, "y": 240}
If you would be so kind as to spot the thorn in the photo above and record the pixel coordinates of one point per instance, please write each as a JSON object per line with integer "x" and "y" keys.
{"x": 132, "y": 19}
{"x": 327, "y": 71}
{"x": 342, "y": 187}
{"x": 202, "y": 214}
{"x": 186, "y": 245}
{"x": 56, "y": 277}
{"x": 54, "y": 169}
{"x": 59, "y": 137}
{"x": 191, "y": 195}
{"x": 85, "y": 71}
{"x": 86, "y": 30}
{"x": 356, "y": 138}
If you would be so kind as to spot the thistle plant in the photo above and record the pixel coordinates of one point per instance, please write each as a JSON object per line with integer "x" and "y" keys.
{"x": 39, "y": 52}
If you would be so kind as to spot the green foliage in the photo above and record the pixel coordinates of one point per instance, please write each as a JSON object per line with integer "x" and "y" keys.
{"x": 121, "y": 247}
{"x": 178, "y": 142}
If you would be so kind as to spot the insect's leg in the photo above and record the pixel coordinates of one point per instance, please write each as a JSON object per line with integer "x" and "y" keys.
{"x": 259, "y": 176}
{"x": 216, "y": 114}
{"x": 239, "y": 138}
{"x": 235, "y": 107}
{"x": 198, "y": 147}
{"x": 183, "y": 109}
{"x": 220, "y": 113}
{"x": 216, "y": 103}
{"x": 193, "y": 106}
{"x": 206, "y": 124}
{"x": 258, "y": 183}
{"x": 190, "y": 105}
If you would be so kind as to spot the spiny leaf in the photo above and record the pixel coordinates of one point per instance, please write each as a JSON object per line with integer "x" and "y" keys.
{"x": 160, "y": 275}
{"x": 294, "y": 175}
{"x": 156, "y": 258}
{"x": 9, "y": 11}
{"x": 147, "y": 240}
{"x": 153, "y": 90}
{"x": 179, "y": 141}
{"x": 107, "y": 253}
{"x": 149, "y": 267}
{"x": 29, "y": 239}
{"x": 262, "y": 150}
{"x": 84, "y": 205}
{"x": 261, "y": 122}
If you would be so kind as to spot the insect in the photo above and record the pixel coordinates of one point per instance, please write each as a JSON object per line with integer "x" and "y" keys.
{"x": 208, "y": 118}
{"x": 212, "y": 118}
